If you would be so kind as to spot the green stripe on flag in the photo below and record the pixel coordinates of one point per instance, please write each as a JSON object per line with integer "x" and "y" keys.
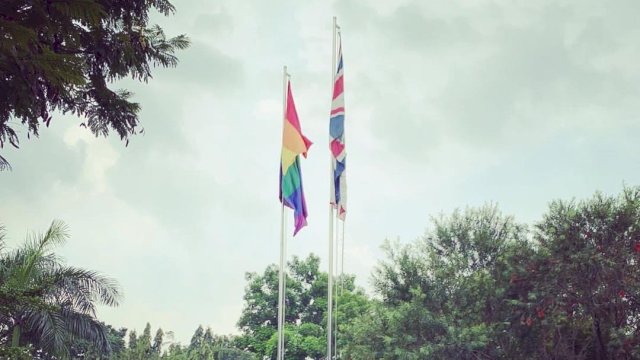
{"x": 291, "y": 180}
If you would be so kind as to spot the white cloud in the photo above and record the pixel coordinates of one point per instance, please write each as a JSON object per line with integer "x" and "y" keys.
{"x": 99, "y": 156}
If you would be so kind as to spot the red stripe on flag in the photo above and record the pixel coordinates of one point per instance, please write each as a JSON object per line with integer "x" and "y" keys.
{"x": 337, "y": 110}
{"x": 338, "y": 87}
{"x": 336, "y": 147}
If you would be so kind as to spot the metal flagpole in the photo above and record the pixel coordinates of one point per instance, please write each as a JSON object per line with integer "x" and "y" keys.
{"x": 342, "y": 258}
{"x": 283, "y": 296}
{"x": 281, "y": 304}
{"x": 341, "y": 272}
{"x": 284, "y": 286}
{"x": 281, "y": 286}
{"x": 330, "y": 285}
{"x": 337, "y": 259}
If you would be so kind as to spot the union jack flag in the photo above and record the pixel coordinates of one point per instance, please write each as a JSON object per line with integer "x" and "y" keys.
{"x": 337, "y": 143}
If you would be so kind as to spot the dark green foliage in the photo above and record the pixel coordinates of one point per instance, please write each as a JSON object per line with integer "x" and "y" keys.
{"x": 83, "y": 349}
{"x": 46, "y": 305}
{"x": 585, "y": 300}
{"x": 441, "y": 295}
{"x": 305, "y": 299}
{"x": 61, "y": 55}
{"x": 156, "y": 348}
{"x": 133, "y": 339}
{"x": 480, "y": 286}
{"x": 301, "y": 342}
{"x": 16, "y": 353}
{"x": 197, "y": 339}
{"x": 306, "y": 304}
{"x": 205, "y": 345}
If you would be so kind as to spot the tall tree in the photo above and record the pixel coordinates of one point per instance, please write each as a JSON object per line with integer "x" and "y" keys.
{"x": 142, "y": 347}
{"x": 45, "y": 302}
{"x": 62, "y": 55}
{"x": 306, "y": 302}
{"x": 133, "y": 341}
{"x": 197, "y": 339}
{"x": 442, "y": 297}
{"x": 156, "y": 348}
{"x": 480, "y": 286}
{"x": 585, "y": 297}
{"x": 208, "y": 337}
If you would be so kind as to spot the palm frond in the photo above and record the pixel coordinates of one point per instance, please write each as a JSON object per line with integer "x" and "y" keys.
{"x": 88, "y": 285}
{"x": 35, "y": 251}
{"x": 56, "y": 303}
{"x": 4, "y": 164}
{"x": 57, "y": 234}
{"x": 86, "y": 327}
{"x": 47, "y": 329}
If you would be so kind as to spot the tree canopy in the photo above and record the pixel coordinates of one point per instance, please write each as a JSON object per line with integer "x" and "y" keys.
{"x": 479, "y": 285}
{"x": 61, "y": 56}
{"x": 305, "y": 315}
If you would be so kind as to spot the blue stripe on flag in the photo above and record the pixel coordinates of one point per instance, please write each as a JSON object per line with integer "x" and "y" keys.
{"x": 336, "y": 126}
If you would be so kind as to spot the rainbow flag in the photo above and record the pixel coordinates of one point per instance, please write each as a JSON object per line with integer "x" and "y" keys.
{"x": 337, "y": 142}
{"x": 293, "y": 144}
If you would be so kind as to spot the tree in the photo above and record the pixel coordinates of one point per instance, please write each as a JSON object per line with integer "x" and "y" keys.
{"x": 197, "y": 339}
{"x": 83, "y": 349}
{"x": 156, "y": 348}
{"x": 258, "y": 320}
{"x": 208, "y": 337}
{"x": 175, "y": 352}
{"x": 205, "y": 345}
{"x": 46, "y": 303}
{"x": 141, "y": 348}
{"x": 304, "y": 295}
{"x": 480, "y": 286}
{"x": 307, "y": 340}
{"x": 305, "y": 318}
{"x": 584, "y": 300}
{"x": 442, "y": 297}
{"x": 132, "y": 344}
{"x": 61, "y": 55}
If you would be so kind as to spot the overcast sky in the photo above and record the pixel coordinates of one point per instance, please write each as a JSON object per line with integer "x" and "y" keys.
{"x": 449, "y": 104}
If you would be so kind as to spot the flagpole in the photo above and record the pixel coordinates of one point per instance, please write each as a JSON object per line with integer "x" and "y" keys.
{"x": 330, "y": 284}
{"x": 337, "y": 259}
{"x": 281, "y": 304}
{"x": 341, "y": 277}
{"x": 284, "y": 287}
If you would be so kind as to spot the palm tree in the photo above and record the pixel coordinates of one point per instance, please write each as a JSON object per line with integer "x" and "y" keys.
{"x": 48, "y": 304}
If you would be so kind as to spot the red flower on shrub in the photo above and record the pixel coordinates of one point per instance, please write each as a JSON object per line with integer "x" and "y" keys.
{"x": 621, "y": 293}
{"x": 636, "y": 247}
{"x": 529, "y": 321}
